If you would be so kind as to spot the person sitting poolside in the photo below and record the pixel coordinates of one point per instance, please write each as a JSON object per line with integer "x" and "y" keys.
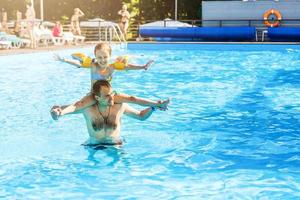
{"x": 103, "y": 119}
{"x": 57, "y": 30}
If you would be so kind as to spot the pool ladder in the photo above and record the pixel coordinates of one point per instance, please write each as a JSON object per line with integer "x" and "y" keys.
{"x": 112, "y": 32}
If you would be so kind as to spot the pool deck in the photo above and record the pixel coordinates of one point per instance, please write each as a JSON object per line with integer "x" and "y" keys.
{"x": 4, "y": 52}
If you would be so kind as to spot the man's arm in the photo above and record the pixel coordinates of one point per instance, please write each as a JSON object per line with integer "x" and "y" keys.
{"x": 124, "y": 98}
{"x": 75, "y": 108}
{"x": 140, "y": 115}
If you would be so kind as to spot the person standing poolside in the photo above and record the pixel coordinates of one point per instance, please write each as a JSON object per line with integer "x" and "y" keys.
{"x": 103, "y": 119}
{"x": 75, "y": 26}
{"x": 125, "y": 16}
{"x": 17, "y": 27}
{"x": 4, "y": 21}
{"x": 30, "y": 19}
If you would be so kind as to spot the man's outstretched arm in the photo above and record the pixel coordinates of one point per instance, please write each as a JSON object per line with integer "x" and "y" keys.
{"x": 141, "y": 115}
{"x": 124, "y": 98}
{"x": 137, "y": 114}
{"x": 77, "y": 107}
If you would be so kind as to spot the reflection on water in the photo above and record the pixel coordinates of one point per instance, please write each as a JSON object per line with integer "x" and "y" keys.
{"x": 115, "y": 152}
{"x": 232, "y": 130}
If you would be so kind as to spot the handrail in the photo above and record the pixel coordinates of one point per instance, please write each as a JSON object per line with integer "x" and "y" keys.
{"x": 120, "y": 38}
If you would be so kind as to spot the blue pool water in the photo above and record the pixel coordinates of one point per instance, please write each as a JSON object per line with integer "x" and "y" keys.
{"x": 231, "y": 132}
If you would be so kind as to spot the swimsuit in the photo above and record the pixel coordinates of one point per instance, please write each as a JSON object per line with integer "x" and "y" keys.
{"x": 103, "y": 145}
{"x": 97, "y": 77}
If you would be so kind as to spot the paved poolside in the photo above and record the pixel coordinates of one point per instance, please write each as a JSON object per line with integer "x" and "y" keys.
{"x": 4, "y": 52}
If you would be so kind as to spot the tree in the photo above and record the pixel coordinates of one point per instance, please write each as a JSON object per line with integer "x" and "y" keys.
{"x": 107, "y": 9}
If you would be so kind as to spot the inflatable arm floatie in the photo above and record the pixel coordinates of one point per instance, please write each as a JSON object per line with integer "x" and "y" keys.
{"x": 86, "y": 61}
{"x": 120, "y": 63}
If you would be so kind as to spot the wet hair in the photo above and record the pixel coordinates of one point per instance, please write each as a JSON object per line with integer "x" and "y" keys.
{"x": 99, "y": 84}
{"x": 103, "y": 46}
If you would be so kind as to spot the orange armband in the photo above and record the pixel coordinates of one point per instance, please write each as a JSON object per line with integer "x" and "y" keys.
{"x": 120, "y": 63}
{"x": 85, "y": 60}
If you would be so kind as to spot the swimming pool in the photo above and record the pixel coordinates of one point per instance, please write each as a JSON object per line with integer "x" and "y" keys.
{"x": 232, "y": 130}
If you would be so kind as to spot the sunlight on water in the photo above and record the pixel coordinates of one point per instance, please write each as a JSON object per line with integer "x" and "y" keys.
{"x": 232, "y": 130}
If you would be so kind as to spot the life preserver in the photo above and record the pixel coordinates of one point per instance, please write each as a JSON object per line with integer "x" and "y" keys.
{"x": 274, "y": 12}
{"x": 86, "y": 61}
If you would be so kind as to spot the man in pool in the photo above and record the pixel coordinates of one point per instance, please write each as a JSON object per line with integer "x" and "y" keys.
{"x": 103, "y": 119}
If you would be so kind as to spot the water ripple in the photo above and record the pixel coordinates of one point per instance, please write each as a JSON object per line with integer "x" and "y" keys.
{"x": 231, "y": 132}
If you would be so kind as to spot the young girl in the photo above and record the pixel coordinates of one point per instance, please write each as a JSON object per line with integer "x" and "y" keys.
{"x": 100, "y": 67}
{"x": 102, "y": 70}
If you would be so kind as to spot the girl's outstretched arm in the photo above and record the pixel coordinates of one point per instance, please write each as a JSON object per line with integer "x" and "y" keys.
{"x": 135, "y": 67}
{"x": 69, "y": 61}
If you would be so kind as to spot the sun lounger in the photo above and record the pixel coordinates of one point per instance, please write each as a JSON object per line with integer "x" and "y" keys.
{"x": 68, "y": 37}
{"x": 25, "y": 42}
{"x": 58, "y": 40}
{"x": 43, "y": 36}
{"x": 78, "y": 39}
{"x": 14, "y": 40}
{"x": 5, "y": 45}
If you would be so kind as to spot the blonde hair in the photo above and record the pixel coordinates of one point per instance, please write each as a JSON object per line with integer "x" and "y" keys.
{"x": 103, "y": 46}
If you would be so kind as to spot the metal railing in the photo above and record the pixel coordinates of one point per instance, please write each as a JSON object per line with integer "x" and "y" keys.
{"x": 112, "y": 32}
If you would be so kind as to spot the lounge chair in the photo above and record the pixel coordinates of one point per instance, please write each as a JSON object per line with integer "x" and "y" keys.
{"x": 68, "y": 37}
{"x": 5, "y": 45}
{"x": 15, "y": 42}
{"x": 78, "y": 39}
{"x": 58, "y": 40}
{"x": 43, "y": 36}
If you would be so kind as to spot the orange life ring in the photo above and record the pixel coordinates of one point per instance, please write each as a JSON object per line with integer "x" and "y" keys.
{"x": 270, "y": 12}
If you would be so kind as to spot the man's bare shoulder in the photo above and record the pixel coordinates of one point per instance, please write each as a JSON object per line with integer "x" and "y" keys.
{"x": 119, "y": 107}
